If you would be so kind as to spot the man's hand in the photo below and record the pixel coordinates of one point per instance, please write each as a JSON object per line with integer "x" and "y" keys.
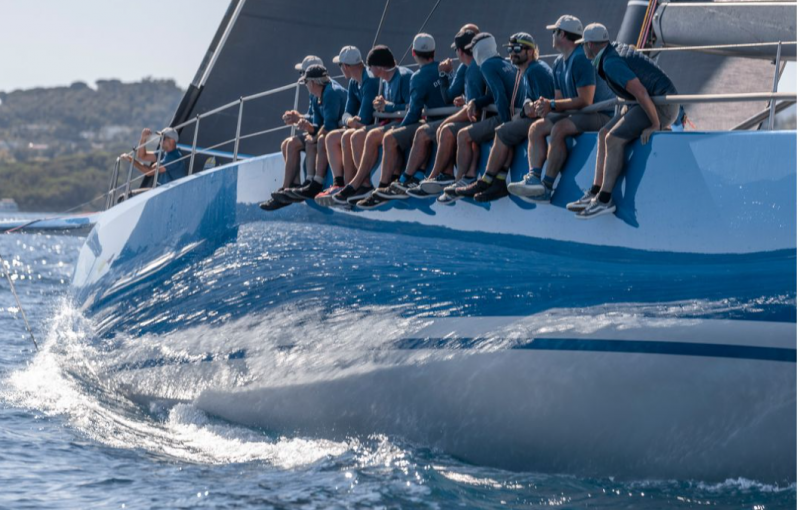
{"x": 648, "y": 132}
{"x": 354, "y": 122}
{"x": 531, "y": 110}
{"x": 126, "y": 157}
{"x": 541, "y": 107}
{"x": 446, "y": 65}
{"x": 379, "y": 103}
{"x": 291, "y": 117}
{"x": 472, "y": 111}
{"x": 146, "y": 132}
{"x": 459, "y": 101}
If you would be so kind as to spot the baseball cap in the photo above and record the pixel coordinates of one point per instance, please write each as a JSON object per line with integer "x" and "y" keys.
{"x": 308, "y": 61}
{"x": 462, "y": 39}
{"x": 314, "y": 71}
{"x": 381, "y": 56}
{"x": 478, "y": 38}
{"x": 424, "y": 42}
{"x": 594, "y": 32}
{"x": 348, "y": 55}
{"x": 169, "y": 133}
{"x": 523, "y": 38}
{"x": 568, "y": 23}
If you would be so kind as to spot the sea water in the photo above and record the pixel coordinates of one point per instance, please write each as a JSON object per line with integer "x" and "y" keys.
{"x": 69, "y": 440}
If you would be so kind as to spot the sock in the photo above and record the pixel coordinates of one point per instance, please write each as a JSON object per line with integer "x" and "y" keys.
{"x": 595, "y": 189}
{"x": 338, "y": 181}
{"x": 319, "y": 179}
{"x": 604, "y": 197}
{"x": 384, "y": 184}
{"x": 501, "y": 175}
{"x": 536, "y": 172}
{"x": 487, "y": 178}
{"x": 548, "y": 182}
{"x": 404, "y": 178}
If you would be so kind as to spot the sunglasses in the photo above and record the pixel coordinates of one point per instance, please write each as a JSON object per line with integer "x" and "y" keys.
{"x": 517, "y": 48}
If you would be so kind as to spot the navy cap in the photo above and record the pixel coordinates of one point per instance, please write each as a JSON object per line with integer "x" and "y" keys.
{"x": 523, "y": 38}
{"x": 462, "y": 39}
{"x": 314, "y": 71}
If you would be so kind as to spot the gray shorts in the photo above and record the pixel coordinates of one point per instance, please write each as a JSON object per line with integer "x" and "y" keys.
{"x": 514, "y": 131}
{"x": 483, "y": 131}
{"x": 384, "y": 127}
{"x": 583, "y": 122}
{"x": 633, "y": 120}
{"x": 455, "y": 127}
{"x": 404, "y": 135}
{"x": 430, "y": 128}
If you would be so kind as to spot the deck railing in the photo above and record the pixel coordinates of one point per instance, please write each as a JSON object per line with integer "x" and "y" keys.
{"x": 777, "y": 102}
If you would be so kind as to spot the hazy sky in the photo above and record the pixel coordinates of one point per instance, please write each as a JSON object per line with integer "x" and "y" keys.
{"x": 46, "y": 43}
{"x": 57, "y": 42}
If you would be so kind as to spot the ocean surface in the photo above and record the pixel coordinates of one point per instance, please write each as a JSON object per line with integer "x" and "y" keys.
{"x": 68, "y": 439}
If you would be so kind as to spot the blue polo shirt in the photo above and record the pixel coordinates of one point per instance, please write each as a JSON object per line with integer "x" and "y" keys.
{"x": 360, "y": 96}
{"x": 397, "y": 91}
{"x": 172, "y": 170}
{"x": 328, "y": 111}
{"x": 577, "y": 71}
{"x": 499, "y": 75}
{"x": 474, "y": 84}
{"x": 620, "y": 63}
{"x": 538, "y": 81}
{"x": 450, "y": 91}
{"x": 424, "y": 93}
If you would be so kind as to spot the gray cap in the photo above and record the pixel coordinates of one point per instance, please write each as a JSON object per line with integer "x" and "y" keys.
{"x": 349, "y": 55}
{"x": 424, "y": 42}
{"x": 308, "y": 61}
{"x": 568, "y": 23}
{"x": 169, "y": 133}
{"x": 594, "y": 32}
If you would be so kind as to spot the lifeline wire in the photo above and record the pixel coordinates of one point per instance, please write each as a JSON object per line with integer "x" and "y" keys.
{"x": 19, "y": 304}
{"x": 380, "y": 25}
{"x": 420, "y": 30}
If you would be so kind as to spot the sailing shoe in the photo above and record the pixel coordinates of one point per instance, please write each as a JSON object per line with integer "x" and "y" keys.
{"x": 448, "y": 195}
{"x": 372, "y": 201}
{"x": 582, "y": 203}
{"x": 308, "y": 191}
{"x": 325, "y": 198}
{"x": 292, "y": 192}
{"x": 273, "y": 205}
{"x": 435, "y": 186}
{"x": 596, "y": 208}
{"x": 497, "y": 189}
{"x": 361, "y": 193}
{"x": 473, "y": 189}
{"x": 350, "y": 195}
{"x": 282, "y": 196}
{"x": 411, "y": 182}
{"x": 418, "y": 192}
{"x": 544, "y": 198}
{"x": 530, "y": 186}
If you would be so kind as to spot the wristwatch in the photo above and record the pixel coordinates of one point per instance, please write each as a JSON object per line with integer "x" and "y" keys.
{"x": 553, "y": 105}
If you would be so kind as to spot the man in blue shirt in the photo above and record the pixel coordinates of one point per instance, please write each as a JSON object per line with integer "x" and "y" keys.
{"x": 394, "y": 96}
{"x": 534, "y": 80}
{"x": 425, "y": 93}
{"x": 327, "y": 108}
{"x": 631, "y": 76}
{"x": 169, "y": 168}
{"x": 577, "y": 86}
{"x": 358, "y": 113}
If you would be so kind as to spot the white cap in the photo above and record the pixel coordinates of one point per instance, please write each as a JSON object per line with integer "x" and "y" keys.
{"x": 424, "y": 42}
{"x": 594, "y": 32}
{"x": 169, "y": 133}
{"x": 307, "y": 62}
{"x": 568, "y": 23}
{"x": 349, "y": 55}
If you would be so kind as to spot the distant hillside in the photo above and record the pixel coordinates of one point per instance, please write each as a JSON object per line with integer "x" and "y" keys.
{"x": 56, "y": 143}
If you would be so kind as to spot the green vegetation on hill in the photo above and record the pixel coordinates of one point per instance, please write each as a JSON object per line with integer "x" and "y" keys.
{"x": 57, "y": 145}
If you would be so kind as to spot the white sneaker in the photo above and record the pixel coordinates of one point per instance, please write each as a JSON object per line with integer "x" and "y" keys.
{"x": 582, "y": 203}
{"x": 530, "y": 186}
{"x": 596, "y": 208}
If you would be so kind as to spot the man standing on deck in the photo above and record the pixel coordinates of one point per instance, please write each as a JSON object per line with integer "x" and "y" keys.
{"x": 328, "y": 108}
{"x": 425, "y": 93}
{"x": 358, "y": 113}
{"x": 534, "y": 80}
{"x": 577, "y": 86}
{"x": 395, "y": 94}
{"x": 170, "y": 168}
{"x": 632, "y": 76}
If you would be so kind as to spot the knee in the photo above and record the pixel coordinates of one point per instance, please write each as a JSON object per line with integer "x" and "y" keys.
{"x": 421, "y": 136}
{"x": 389, "y": 141}
{"x": 539, "y": 129}
{"x": 560, "y": 132}
{"x": 463, "y": 137}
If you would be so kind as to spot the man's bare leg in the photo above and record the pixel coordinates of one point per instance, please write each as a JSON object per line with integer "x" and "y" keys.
{"x": 291, "y": 172}
{"x": 333, "y": 150}
{"x": 311, "y": 157}
{"x": 357, "y": 142}
{"x": 372, "y": 145}
{"x": 348, "y": 159}
{"x": 322, "y": 159}
{"x": 391, "y": 158}
{"x": 557, "y": 153}
{"x": 537, "y": 144}
{"x": 464, "y": 152}
{"x": 445, "y": 150}
{"x": 420, "y": 151}
{"x": 473, "y": 168}
{"x": 615, "y": 152}
{"x": 601, "y": 157}
{"x": 498, "y": 157}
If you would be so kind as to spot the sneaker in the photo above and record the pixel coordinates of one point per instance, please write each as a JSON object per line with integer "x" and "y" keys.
{"x": 273, "y": 205}
{"x": 282, "y": 196}
{"x": 394, "y": 191}
{"x": 325, "y": 197}
{"x": 497, "y": 189}
{"x": 291, "y": 192}
{"x": 350, "y": 195}
{"x": 596, "y": 208}
{"x": 530, "y": 186}
{"x": 418, "y": 192}
{"x": 361, "y": 193}
{"x": 448, "y": 195}
{"x": 473, "y": 189}
{"x": 435, "y": 186}
{"x": 372, "y": 201}
{"x": 582, "y": 203}
{"x": 306, "y": 192}
{"x": 411, "y": 182}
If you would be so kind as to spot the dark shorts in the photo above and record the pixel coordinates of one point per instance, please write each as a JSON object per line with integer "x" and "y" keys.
{"x": 584, "y": 122}
{"x": 384, "y": 127}
{"x": 455, "y": 127}
{"x": 514, "y": 131}
{"x": 633, "y": 120}
{"x": 483, "y": 131}
{"x": 430, "y": 128}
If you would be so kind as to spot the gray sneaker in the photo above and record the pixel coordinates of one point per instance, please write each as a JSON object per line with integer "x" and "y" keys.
{"x": 530, "y": 186}
{"x": 596, "y": 208}
{"x": 582, "y": 203}
{"x": 435, "y": 186}
{"x": 448, "y": 195}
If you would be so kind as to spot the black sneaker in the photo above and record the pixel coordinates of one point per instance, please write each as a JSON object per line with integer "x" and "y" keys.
{"x": 343, "y": 194}
{"x": 394, "y": 191}
{"x": 291, "y": 192}
{"x": 361, "y": 193}
{"x": 497, "y": 189}
{"x": 273, "y": 205}
{"x": 418, "y": 192}
{"x": 372, "y": 201}
{"x": 307, "y": 192}
{"x": 473, "y": 189}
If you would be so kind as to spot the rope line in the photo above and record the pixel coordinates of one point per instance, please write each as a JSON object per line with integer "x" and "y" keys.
{"x": 19, "y": 303}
